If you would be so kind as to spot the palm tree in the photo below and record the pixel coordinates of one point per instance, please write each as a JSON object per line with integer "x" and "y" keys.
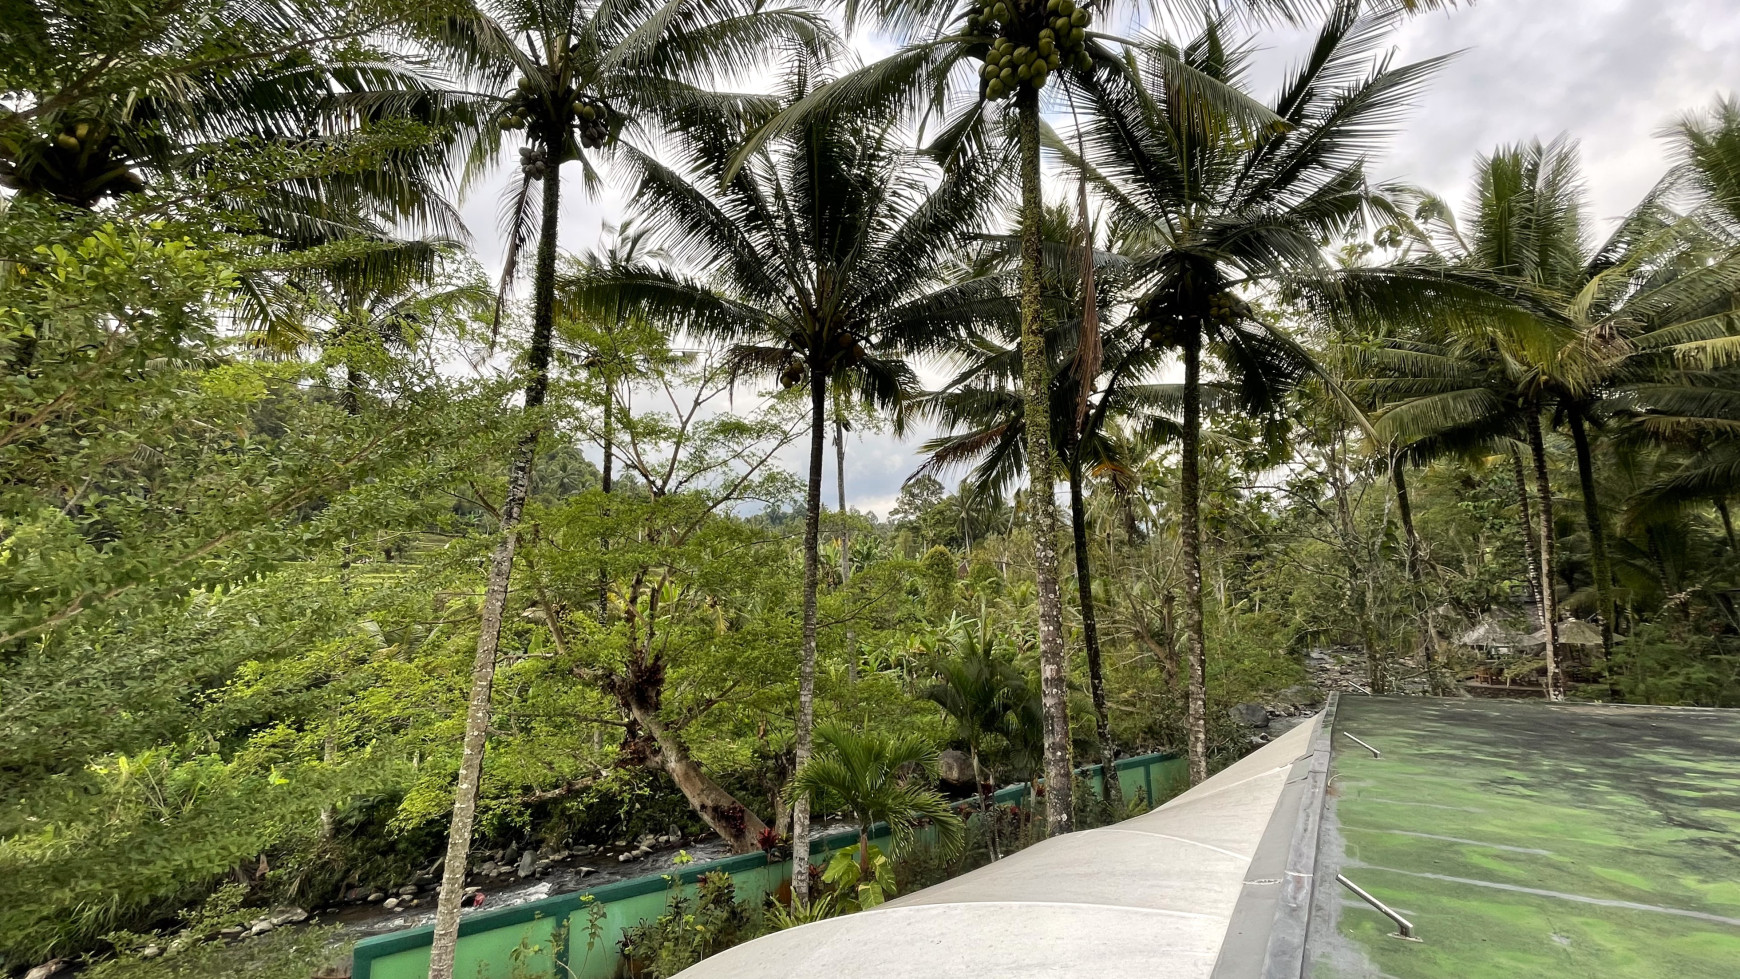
{"x": 873, "y": 778}
{"x": 1211, "y": 207}
{"x": 823, "y": 250}
{"x": 574, "y": 77}
{"x": 1532, "y": 321}
{"x": 1006, "y": 51}
{"x": 983, "y": 413}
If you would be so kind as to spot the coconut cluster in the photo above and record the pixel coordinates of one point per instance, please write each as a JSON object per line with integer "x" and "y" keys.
{"x": 535, "y": 161}
{"x": 73, "y": 159}
{"x": 1224, "y": 307}
{"x": 591, "y": 115}
{"x": 1024, "y": 55}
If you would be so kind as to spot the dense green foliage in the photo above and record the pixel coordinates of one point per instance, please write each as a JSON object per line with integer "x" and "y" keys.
{"x": 259, "y": 410}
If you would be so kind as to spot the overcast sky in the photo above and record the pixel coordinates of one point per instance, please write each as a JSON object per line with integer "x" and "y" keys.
{"x": 1610, "y": 73}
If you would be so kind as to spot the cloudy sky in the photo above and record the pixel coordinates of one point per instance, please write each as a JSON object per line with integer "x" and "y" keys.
{"x": 1610, "y": 73}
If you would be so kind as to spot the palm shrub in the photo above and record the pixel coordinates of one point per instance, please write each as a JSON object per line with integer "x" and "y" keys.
{"x": 880, "y": 779}
{"x": 824, "y": 253}
{"x": 1213, "y": 208}
{"x": 988, "y": 699}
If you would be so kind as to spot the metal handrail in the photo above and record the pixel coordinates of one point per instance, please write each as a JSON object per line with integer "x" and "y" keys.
{"x": 1403, "y": 925}
{"x": 1374, "y": 752}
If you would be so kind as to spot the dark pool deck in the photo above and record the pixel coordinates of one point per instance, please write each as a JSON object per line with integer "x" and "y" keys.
{"x": 1526, "y": 839}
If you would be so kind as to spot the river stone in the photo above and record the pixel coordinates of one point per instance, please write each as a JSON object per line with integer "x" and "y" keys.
{"x": 46, "y": 969}
{"x": 377, "y": 897}
{"x": 954, "y": 766}
{"x": 261, "y": 928}
{"x": 391, "y": 904}
{"x": 408, "y": 890}
{"x": 286, "y": 916}
{"x": 1301, "y": 695}
{"x": 233, "y": 931}
{"x": 1249, "y": 715}
{"x": 150, "y": 952}
{"x": 527, "y": 860}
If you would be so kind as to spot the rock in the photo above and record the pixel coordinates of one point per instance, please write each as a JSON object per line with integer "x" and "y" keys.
{"x": 587, "y": 870}
{"x": 619, "y": 843}
{"x": 1250, "y": 715}
{"x": 408, "y": 890}
{"x": 262, "y": 928}
{"x": 954, "y": 766}
{"x": 527, "y": 861}
{"x": 233, "y": 931}
{"x": 489, "y": 868}
{"x": 391, "y": 904}
{"x": 46, "y": 969}
{"x": 624, "y": 858}
{"x": 1301, "y": 695}
{"x": 377, "y": 897}
{"x": 472, "y": 890}
{"x": 150, "y": 952}
{"x": 287, "y": 916}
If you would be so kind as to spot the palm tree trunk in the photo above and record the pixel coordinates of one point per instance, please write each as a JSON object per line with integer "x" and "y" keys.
{"x": 1531, "y": 564}
{"x": 800, "y": 814}
{"x": 1727, "y": 523}
{"x": 1111, "y": 791}
{"x": 501, "y": 565}
{"x": 845, "y": 533}
{"x": 1405, "y": 510}
{"x": 604, "y": 483}
{"x": 1036, "y": 384}
{"x": 1190, "y": 529}
{"x": 1597, "y": 531}
{"x": 352, "y": 388}
{"x": 1416, "y": 576}
{"x": 1549, "y": 609}
{"x": 984, "y": 802}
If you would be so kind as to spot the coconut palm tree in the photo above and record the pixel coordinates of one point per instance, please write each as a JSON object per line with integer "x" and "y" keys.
{"x": 823, "y": 251}
{"x": 982, "y": 410}
{"x": 1212, "y": 208}
{"x": 879, "y": 779}
{"x": 981, "y": 66}
{"x": 1533, "y": 323}
{"x": 568, "y": 80}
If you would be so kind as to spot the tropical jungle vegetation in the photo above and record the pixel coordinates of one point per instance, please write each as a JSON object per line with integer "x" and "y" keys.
{"x": 331, "y": 552}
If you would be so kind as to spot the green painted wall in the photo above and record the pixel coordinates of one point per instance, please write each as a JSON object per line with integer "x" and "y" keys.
{"x": 549, "y": 938}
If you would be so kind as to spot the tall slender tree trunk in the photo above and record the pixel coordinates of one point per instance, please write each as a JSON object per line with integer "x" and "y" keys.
{"x": 845, "y": 531}
{"x": 1549, "y": 603}
{"x": 1036, "y": 388}
{"x": 1190, "y": 530}
{"x": 1597, "y": 534}
{"x": 1531, "y": 562}
{"x": 604, "y": 483}
{"x": 1727, "y": 523}
{"x": 800, "y": 813}
{"x": 501, "y": 566}
{"x": 1416, "y": 574}
{"x": 1111, "y": 791}
{"x": 1405, "y": 510}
